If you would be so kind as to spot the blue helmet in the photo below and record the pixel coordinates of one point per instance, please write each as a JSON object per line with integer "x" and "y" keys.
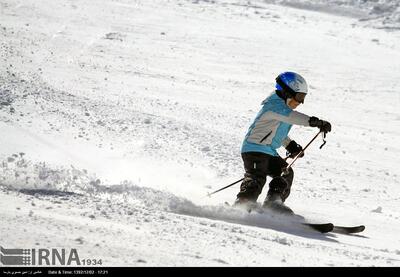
{"x": 291, "y": 85}
{"x": 291, "y": 82}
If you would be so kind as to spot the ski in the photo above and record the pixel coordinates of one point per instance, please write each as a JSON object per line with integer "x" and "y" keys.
{"x": 321, "y": 227}
{"x": 348, "y": 229}
{"x": 329, "y": 227}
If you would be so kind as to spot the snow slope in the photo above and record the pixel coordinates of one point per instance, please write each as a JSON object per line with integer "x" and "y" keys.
{"x": 381, "y": 14}
{"x": 118, "y": 117}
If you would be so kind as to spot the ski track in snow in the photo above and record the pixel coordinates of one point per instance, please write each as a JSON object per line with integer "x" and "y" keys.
{"x": 117, "y": 118}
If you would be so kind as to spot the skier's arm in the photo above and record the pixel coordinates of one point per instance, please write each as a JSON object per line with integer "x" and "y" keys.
{"x": 297, "y": 118}
{"x": 286, "y": 142}
{"x": 294, "y": 118}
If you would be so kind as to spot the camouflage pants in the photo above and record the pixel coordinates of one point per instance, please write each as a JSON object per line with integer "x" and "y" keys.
{"x": 257, "y": 167}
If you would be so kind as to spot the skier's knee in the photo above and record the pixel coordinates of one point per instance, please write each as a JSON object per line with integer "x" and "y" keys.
{"x": 251, "y": 187}
{"x": 289, "y": 173}
{"x": 278, "y": 184}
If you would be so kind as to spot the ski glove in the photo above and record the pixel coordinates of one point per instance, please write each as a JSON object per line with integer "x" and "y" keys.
{"x": 293, "y": 148}
{"x": 323, "y": 125}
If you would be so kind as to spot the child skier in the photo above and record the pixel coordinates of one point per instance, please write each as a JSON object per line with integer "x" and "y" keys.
{"x": 268, "y": 132}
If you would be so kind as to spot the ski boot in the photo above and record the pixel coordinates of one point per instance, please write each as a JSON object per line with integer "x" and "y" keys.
{"x": 274, "y": 202}
{"x": 278, "y": 191}
{"x": 245, "y": 204}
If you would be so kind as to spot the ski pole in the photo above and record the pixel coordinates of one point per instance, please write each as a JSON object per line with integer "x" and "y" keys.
{"x": 234, "y": 183}
{"x": 285, "y": 171}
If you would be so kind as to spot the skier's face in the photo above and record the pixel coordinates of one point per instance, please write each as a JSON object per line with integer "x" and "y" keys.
{"x": 292, "y": 103}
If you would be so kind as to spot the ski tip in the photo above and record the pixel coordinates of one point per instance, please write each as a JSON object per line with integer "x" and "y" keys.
{"x": 349, "y": 230}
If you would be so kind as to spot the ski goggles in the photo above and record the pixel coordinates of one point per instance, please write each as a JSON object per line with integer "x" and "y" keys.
{"x": 299, "y": 97}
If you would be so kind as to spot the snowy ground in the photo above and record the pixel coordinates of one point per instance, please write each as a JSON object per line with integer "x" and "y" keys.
{"x": 118, "y": 117}
{"x": 381, "y": 14}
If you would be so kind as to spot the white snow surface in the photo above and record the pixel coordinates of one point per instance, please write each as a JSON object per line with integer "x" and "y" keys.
{"x": 118, "y": 117}
{"x": 381, "y": 14}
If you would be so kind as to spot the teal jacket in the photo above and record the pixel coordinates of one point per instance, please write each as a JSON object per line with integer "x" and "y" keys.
{"x": 271, "y": 127}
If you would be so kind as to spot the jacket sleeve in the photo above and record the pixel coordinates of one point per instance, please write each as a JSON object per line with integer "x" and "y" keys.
{"x": 297, "y": 118}
{"x": 286, "y": 142}
{"x": 294, "y": 118}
